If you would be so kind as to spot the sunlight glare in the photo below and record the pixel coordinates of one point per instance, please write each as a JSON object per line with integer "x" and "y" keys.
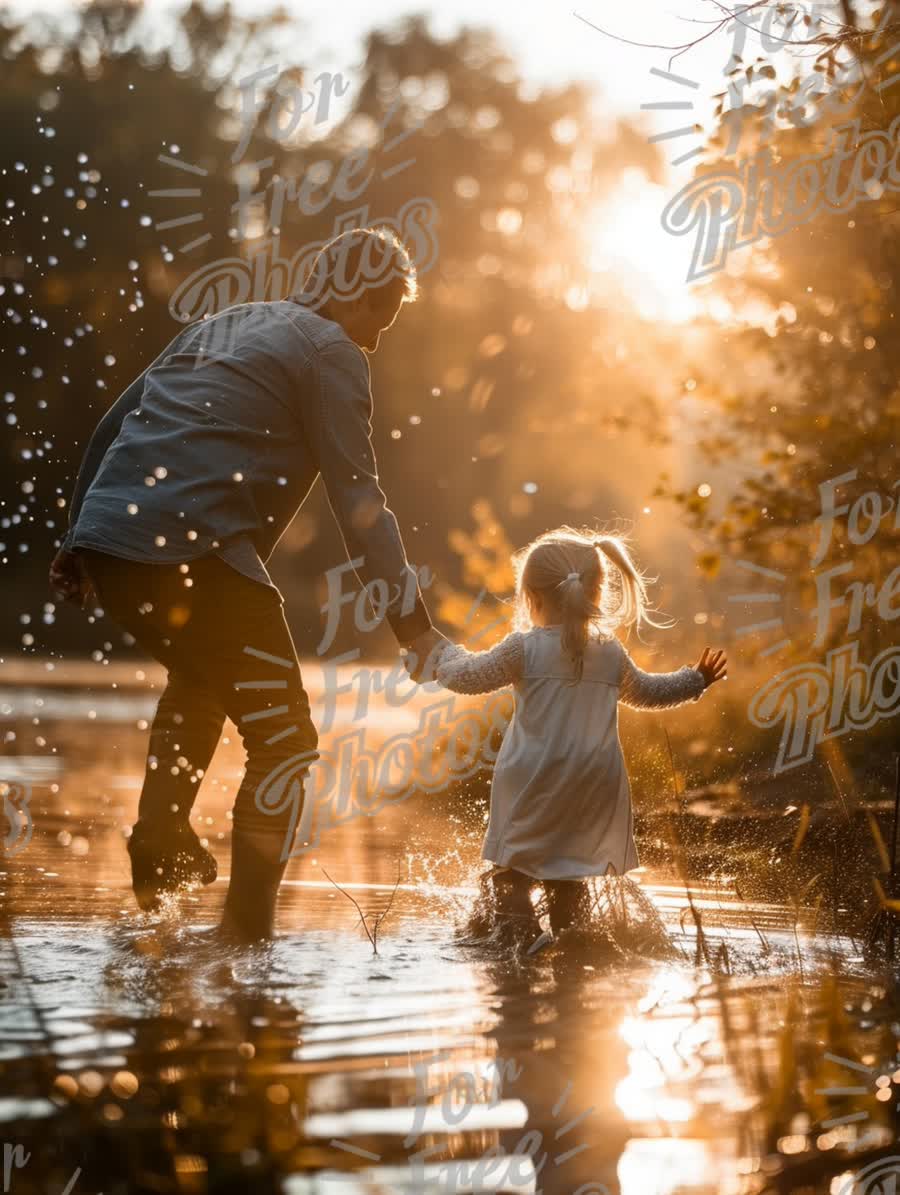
{"x": 627, "y": 241}
{"x": 665, "y": 1039}
{"x": 667, "y": 1167}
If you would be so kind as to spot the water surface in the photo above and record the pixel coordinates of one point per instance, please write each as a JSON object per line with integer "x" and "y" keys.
{"x": 137, "y": 1055}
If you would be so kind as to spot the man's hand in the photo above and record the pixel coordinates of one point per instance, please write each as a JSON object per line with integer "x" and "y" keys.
{"x": 69, "y": 579}
{"x": 713, "y": 666}
{"x": 422, "y": 655}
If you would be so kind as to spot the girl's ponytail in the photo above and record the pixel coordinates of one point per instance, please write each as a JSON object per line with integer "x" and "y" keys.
{"x": 634, "y": 607}
{"x": 577, "y": 614}
{"x": 567, "y": 569}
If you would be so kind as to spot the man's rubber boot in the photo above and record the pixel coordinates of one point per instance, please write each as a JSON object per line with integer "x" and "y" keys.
{"x": 256, "y": 871}
{"x": 167, "y": 860}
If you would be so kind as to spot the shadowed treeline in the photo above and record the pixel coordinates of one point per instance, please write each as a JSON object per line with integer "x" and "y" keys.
{"x": 522, "y": 390}
{"x": 506, "y": 375}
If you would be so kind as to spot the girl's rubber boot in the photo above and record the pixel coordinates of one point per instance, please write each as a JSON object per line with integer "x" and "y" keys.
{"x": 516, "y": 922}
{"x": 256, "y": 872}
{"x": 569, "y": 904}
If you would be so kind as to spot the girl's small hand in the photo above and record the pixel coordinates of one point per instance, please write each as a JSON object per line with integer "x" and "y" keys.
{"x": 713, "y": 666}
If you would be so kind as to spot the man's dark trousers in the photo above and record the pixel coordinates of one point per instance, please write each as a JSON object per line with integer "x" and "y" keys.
{"x": 228, "y": 651}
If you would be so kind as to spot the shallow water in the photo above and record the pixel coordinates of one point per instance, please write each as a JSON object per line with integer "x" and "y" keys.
{"x": 138, "y": 1055}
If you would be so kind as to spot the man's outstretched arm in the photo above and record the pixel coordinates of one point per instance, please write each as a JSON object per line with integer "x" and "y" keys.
{"x": 341, "y": 430}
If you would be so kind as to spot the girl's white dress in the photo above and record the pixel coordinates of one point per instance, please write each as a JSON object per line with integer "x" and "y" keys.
{"x": 560, "y": 798}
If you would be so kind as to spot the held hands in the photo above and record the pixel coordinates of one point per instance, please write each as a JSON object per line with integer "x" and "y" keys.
{"x": 423, "y": 654}
{"x": 69, "y": 579}
{"x": 713, "y": 666}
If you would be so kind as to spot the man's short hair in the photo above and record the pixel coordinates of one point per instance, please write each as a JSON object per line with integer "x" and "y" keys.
{"x": 363, "y": 260}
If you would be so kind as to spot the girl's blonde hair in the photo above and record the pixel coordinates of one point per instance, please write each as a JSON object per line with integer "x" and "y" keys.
{"x": 569, "y": 569}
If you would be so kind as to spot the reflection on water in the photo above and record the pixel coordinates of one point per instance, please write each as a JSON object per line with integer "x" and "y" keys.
{"x": 138, "y": 1053}
{"x": 164, "y": 1063}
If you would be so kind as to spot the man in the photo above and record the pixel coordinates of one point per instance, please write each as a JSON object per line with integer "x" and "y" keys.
{"x": 188, "y": 483}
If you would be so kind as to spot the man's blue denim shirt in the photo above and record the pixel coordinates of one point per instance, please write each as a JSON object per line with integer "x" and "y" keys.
{"x": 214, "y": 448}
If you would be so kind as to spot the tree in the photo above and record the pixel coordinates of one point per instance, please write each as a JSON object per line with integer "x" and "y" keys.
{"x": 504, "y": 384}
{"x": 813, "y": 395}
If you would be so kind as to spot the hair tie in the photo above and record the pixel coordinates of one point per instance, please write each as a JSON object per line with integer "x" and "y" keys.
{"x": 570, "y": 577}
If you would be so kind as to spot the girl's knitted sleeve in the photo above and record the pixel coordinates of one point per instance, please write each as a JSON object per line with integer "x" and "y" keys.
{"x": 657, "y": 690}
{"x": 482, "y": 671}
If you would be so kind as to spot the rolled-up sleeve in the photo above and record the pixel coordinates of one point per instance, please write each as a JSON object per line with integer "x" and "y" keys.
{"x": 342, "y": 438}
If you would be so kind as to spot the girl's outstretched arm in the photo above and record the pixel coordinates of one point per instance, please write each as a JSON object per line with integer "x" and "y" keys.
{"x": 658, "y": 690}
{"x": 482, "y": 671}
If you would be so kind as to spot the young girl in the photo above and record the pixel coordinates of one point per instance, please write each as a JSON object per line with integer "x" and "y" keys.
{"x": 560, "y": 798}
